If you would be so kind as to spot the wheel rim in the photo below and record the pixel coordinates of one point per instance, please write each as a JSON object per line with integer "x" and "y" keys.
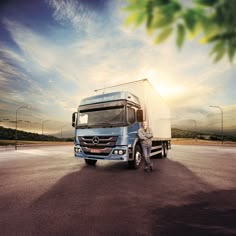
{"x": 138, "y": 158}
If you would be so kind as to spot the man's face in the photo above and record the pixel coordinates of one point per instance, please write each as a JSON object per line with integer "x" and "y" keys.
{"x": 144, "y": 124}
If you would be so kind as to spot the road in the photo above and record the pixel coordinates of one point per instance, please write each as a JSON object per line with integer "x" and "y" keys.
{"x": 45, "y": 191}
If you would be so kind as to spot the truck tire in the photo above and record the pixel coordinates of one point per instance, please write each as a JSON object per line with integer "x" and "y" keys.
{"x": 90, "y": 162}
{"x": 135, "y": 164}
{"x": 164, "y": 150}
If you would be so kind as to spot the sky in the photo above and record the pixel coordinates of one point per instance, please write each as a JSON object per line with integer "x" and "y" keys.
{"x": 53, "y": 53}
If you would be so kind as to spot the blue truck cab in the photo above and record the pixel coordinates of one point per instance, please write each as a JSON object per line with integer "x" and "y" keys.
{"x": 106, "y": 128}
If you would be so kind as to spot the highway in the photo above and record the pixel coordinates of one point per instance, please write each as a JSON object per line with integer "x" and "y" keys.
{"x": 45, "y": 191}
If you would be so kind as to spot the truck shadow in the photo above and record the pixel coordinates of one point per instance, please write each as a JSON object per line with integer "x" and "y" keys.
{"x": 110, "y": 200}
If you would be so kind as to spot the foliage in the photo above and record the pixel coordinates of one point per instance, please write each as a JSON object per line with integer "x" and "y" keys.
{"x": 207, "y": 135}
{"x": 213, "y": 20}
{"x": 9, "y": 134}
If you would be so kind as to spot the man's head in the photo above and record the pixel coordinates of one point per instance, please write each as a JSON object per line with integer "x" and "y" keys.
{"x": 144, "y": 124}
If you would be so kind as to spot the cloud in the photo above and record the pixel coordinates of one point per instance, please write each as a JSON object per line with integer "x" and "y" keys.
{"x": 80, "y": 14}
{"x": 34, "y": 47}
{"x": 68, "y": 11}
{"x": 11, "y": 76}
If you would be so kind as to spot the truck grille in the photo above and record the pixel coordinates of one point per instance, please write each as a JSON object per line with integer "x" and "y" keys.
{"x": 97, "y": 145}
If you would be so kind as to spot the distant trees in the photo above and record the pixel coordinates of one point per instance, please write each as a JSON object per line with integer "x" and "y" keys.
{"x": 9, "y": 134}
{"x": 213, "y": 20}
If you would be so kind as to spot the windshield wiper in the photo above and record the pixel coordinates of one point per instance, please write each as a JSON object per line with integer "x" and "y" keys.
{"x": 84, "y": 126}
{"x": 105, "y": 125}
{"x": 100, "y": 125}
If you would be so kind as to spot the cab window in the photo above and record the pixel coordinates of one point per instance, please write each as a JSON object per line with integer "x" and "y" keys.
{"x": 131, "y": 115}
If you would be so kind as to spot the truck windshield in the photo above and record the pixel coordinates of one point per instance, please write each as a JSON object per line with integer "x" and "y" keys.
{"x": 101, "y": 118}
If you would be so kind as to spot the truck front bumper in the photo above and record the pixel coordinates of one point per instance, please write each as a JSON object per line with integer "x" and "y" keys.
{"x": 118, "y": 153}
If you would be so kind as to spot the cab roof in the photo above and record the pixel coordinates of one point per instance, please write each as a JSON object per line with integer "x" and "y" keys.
{"x": 107, "y": 97}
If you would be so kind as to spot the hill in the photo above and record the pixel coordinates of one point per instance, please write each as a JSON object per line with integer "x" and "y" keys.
{"x": 10, "y": 134}
{"x": 179, "y": 133}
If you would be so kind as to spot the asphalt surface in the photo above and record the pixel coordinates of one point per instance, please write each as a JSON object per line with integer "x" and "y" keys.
{"x": 45, "y": 191}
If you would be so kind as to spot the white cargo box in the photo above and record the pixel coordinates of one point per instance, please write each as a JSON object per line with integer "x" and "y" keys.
{"x": 156, "y": 111}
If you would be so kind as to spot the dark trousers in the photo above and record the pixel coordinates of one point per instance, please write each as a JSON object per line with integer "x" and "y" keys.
{"x": 146, "y": 154}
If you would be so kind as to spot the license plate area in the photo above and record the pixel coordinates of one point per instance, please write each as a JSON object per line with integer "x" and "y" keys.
{"x": 94, "y": 150}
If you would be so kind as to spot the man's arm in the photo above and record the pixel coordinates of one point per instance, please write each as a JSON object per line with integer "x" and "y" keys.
{"x": 150, "y": 134}
{"x": 141, "y": 135}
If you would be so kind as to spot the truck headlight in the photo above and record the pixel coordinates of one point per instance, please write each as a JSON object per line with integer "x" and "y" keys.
{"x": 119, "y": 152}
{"x": 77, "y": 149}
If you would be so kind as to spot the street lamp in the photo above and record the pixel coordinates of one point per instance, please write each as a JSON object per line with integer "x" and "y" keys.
{"x": 195, "y": 122}
{"x": 61, "y": 130}
{"x": 21, "y": 107}
{"x": 43, "y": 124}
{"x": 222, "y": 128}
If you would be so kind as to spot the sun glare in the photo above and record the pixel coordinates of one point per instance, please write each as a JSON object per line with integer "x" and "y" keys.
{"x": 165, "y": 89}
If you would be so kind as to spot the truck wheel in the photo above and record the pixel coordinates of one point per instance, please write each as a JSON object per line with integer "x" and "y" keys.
{"x": 164, "y": 150}
{"x": 135, "y": 164}
{"x": 90, "y": 162}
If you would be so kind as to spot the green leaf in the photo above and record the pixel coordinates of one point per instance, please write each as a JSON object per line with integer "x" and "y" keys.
{"x": 180, "y": 35}
{"x": 135, "y": 5}
{"x": 130, "y": 8}
{"x": 219, "y": 56}
{"x": 218, "y": 46}
{"x": 163, "y": 35}
{"x": 231, "y": 51}
{"x": 131, "y": 19}
{"x": 190, "y": 20}
{"x": 149, "y": 12}
{"x": 140, "y": 18}
{"x": 170, "y": 9}
{"x": 219, "y": 50}
{"x": 206, "y": 2}
{"x": 207, "y": 24}
{"x": 158, "y": 3}
{"x": 163, "y": 22}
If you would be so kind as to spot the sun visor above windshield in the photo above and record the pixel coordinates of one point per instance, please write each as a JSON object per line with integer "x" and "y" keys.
{"x": 103, "y": 105}
{"x": 113, "y": 96}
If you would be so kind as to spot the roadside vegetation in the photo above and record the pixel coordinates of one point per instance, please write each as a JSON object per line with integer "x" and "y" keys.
{"x": 179, "y": 133}
{"x": 7, "y": 136}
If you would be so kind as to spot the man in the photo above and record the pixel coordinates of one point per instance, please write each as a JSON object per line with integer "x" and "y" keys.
{"x": 145, "y": 136}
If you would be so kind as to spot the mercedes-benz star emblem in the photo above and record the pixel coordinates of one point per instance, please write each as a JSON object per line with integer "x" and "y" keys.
{"x": 95, "y": 140}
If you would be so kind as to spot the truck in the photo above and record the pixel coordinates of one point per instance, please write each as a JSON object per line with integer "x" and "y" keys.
{"x": 106, "y": 125}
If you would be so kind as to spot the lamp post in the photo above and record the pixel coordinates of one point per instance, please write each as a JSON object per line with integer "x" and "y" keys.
{"x": 21, "y": 107}
{"x": 195, "y": 122}
{"x": 222, "y": 126}
{"x": 43, "y": 126}
{"x": 61, "y": 130}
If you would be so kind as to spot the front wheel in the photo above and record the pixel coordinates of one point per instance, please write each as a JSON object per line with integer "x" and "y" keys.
{"x": 135, "y": 164}
{"x": 90, "y": 162}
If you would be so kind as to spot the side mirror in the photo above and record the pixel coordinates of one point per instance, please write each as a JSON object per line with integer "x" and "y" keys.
{"x": 140, "y": 115}
{"x": 73, "y": 119}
